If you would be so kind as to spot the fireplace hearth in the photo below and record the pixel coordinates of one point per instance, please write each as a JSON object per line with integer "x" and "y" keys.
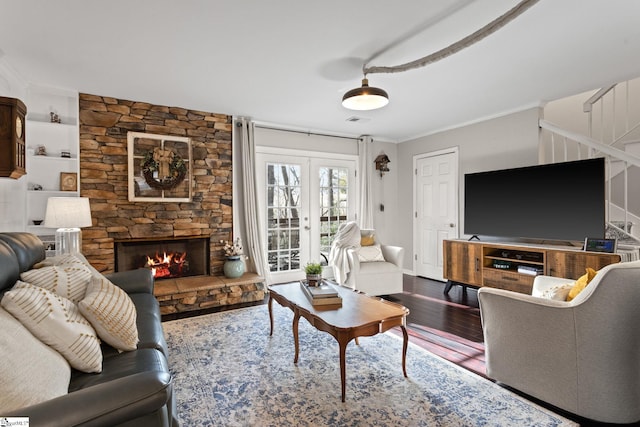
{"x": 165, "y": 257}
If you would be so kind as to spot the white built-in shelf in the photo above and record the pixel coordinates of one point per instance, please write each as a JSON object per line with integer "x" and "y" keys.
{"x": 49, "y": 157}
{"x": 55, "y": 137}
{"x": 41, "y": 120}
{"x": 53, "y": 193}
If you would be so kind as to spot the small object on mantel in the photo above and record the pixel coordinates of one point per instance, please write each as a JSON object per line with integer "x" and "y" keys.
{"x": 54, "y": 117}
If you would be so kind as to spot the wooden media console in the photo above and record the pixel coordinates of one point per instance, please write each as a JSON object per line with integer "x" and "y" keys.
{"x": 514, "y": 266}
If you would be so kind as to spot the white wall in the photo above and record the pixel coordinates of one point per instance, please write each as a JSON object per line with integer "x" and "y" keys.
{"x": 12, "y": 192}
{"x": 499, "y": 143}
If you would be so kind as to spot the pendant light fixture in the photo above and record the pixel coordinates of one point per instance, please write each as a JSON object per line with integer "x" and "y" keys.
{"x": 370, "y": 98}
{"x": 365, "y": 97}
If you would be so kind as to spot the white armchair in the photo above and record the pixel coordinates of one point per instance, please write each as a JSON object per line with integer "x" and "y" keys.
{"x": 582, "y": 356}
{"x": 376, "y": 277}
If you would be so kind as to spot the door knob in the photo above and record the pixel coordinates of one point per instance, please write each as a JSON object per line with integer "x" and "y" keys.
{"x": 306, "y": 227}
{"x": 451, "y": 225}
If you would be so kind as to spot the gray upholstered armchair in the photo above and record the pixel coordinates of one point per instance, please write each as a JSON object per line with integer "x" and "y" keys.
{"x": 582, "y": 356}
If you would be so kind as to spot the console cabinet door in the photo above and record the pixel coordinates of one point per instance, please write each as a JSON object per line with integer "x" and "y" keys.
{"x": 572, "y": 265}
{"x": 463, "y": 262}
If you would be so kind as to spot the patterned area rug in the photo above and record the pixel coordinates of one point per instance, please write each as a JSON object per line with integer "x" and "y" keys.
{"x": 229, "y": 372}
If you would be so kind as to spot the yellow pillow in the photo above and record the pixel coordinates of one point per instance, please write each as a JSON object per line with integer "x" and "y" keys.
{"x": 368, "y": 240}
{"x": 581, "y": 283}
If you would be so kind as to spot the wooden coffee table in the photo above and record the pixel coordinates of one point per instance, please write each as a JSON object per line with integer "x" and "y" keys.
{"x": 359, "y": 316}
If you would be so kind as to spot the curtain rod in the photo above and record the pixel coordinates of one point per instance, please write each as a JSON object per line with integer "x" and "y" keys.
{"x": 307, "y": 133}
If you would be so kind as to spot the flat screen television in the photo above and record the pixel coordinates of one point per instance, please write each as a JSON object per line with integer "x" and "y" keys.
{"x": 560, "y": 201}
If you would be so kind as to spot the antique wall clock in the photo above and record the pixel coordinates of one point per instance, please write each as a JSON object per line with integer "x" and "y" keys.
{"x": 12, "y": 138}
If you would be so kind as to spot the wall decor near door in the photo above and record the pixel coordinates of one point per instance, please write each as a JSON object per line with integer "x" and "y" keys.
{"x": 159, "y": 167}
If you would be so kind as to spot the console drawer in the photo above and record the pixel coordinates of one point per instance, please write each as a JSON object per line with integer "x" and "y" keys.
{"x": 509, "y": 280}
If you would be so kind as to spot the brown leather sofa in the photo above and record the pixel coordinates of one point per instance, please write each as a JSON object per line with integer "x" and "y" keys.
{"x": 134, "y": 387}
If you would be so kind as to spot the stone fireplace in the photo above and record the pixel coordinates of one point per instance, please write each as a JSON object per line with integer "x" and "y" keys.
{"x": 104, "y": 125}
{"x": 167, "y": 258}
{"x": 125, "y": 231}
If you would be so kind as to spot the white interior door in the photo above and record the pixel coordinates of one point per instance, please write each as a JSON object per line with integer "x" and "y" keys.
{"x": 303, "y": 201}
{"x": 436, "y": 214}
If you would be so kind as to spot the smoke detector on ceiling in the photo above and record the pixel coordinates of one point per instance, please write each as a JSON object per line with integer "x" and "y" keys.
{"x": 356, "y": 119}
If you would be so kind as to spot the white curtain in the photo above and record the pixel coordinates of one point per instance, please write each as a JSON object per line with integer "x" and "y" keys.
{"x": 365, "y": 213}
{"x": 253, "y": 240}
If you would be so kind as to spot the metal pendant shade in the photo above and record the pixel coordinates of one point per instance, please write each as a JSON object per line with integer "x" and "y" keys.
{"x": 365, "y": 97}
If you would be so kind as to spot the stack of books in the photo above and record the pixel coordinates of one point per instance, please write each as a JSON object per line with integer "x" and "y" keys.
{"x": 323, "y": 294}
{"x": 530, "y": 270}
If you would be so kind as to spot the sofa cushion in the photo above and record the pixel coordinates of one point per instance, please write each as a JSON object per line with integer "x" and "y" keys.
{"x": 150, "y": 333}
{"x": 111, "y": 312}
{"x": 9, "y": 267}
{"x": 31, "y": 371}
{"x": 377, "y": 268}
{"x": 557, "y": 292}
{"x": 56, "y": 321}
{"x": 581, "y": 283}
{"x": 367, "y": 237}
{"x": 68, "y": 280}
{"x": 121, "y": 365}
{"x": 28, "y": 248}
{"x": 371, "y": 253}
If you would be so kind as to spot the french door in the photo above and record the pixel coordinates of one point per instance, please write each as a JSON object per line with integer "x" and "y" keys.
{"x": 303, "y": 200}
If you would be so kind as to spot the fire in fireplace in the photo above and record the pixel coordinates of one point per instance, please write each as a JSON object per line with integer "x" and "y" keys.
{"x": 167, "y": 265}
{"x": 167, "y": 258}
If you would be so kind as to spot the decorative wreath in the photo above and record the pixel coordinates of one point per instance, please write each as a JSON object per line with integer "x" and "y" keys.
{"x": 177, "y": 171}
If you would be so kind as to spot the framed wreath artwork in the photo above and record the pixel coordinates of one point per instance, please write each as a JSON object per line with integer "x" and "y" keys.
{"x": 159, "y": 167}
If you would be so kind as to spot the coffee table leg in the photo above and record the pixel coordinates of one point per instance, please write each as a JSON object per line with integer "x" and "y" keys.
{"x": 405, "y": 343}
{"x": 271, "y": 313}
{"x": 343, "y": 364}
{"x": 296, "y": 320}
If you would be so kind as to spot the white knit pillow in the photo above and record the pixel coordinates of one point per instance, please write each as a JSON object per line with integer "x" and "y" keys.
{"x": 56, "y": 321}
{"x": 67, "y": 280}
{"x": 31, "y": 372}
{"x": 558, "y": 292}
{"x": 111, "y": 312}
{"x": 370, "y": 254}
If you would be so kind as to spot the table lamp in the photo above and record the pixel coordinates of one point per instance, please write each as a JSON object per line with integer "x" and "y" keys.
{"x": 68, "y": 214}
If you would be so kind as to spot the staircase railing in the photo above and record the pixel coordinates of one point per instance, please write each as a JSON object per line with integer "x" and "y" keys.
{"x": 611, "y": 116}
{"x": 557, "y": 145}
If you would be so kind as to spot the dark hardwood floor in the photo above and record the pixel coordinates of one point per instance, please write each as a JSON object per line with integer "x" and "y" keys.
{"x": 446, "y": 325}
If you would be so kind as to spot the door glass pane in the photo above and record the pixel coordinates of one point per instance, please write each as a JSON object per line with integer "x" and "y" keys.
{"x": 334, "y": 204}
{"x": 283, "y": 211}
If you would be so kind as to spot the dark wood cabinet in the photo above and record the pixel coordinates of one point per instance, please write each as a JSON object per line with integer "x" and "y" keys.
{"x": 12, "y": 138}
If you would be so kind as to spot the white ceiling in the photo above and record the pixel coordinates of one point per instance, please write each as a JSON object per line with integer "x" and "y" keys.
{"x": 288, "y": 62}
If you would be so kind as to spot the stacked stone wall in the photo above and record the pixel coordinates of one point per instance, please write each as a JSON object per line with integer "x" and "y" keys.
{"x": 104, "y": 123}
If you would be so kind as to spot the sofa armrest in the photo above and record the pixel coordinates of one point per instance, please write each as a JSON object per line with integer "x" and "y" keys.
{"x": 133, "y": 281}
{"x": 393, "y": 254}
{"x": 542, "y": 283}
{"x": 105, "y": 404}
{"x": 530, "y": 342}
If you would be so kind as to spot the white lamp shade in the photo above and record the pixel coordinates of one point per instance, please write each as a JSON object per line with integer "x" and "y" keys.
{"x": 67, "y": 212}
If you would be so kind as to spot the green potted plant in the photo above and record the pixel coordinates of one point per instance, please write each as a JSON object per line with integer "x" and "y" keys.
{"x": 314, "y": 273}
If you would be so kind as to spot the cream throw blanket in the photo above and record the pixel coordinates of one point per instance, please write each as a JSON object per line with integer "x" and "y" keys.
{"x": 347, "y": 237}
